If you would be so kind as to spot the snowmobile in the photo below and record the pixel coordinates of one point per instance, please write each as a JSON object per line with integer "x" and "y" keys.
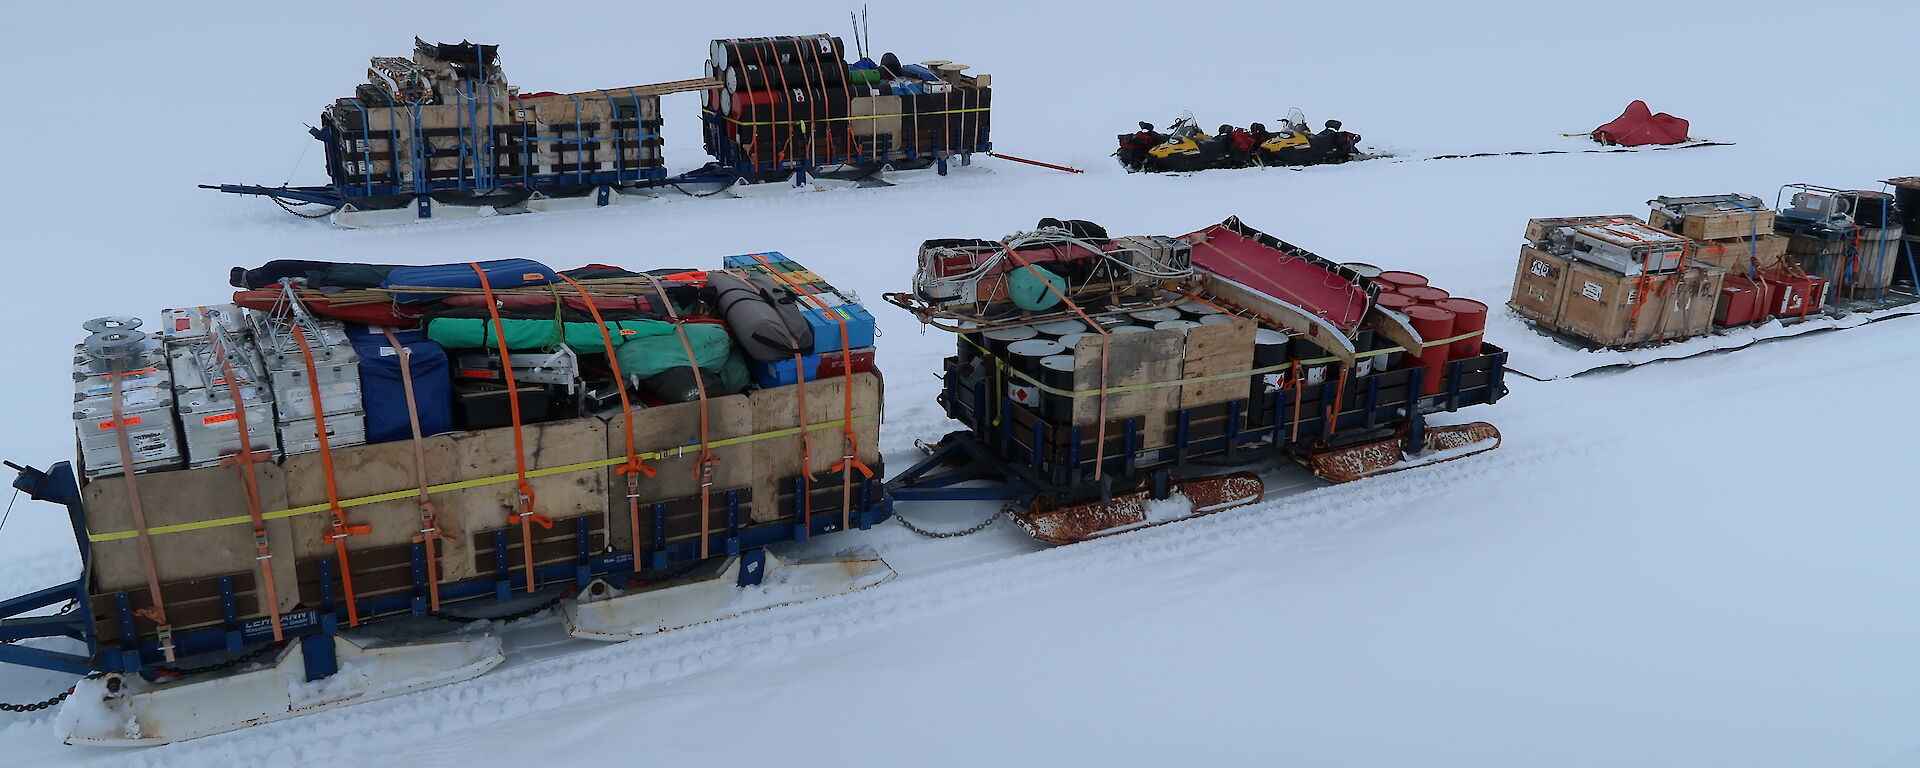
{"x": 1187, "y": 149}
{"x": 1295, "y": 144}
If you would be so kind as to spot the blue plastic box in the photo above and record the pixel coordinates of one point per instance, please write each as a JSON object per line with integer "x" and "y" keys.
{"x": 826, "y": 328}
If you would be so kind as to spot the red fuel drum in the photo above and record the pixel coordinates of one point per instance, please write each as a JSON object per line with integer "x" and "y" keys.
{"x": 1426, "y": 294}
{"x": 1432, "y": 323}
{"x": 1399, "y": 281}
{"x": 1741, "y": 302}
{"x": 1395, "y": 301}
{"x": 1468, "y": 316}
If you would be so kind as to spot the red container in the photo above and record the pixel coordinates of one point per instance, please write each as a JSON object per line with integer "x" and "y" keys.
{"x": 1395, "y": 301}
{"x": 1426, "y": 294}
{"x": 1793, "y": 295}
{"x": 1398, "y": 281}
{"x": 1432, "y": 323}
{"x": 1741, "y": 302}
{"x": 1468, "y": 316}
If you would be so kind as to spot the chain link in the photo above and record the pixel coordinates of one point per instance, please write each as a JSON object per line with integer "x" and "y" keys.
{"x": 508, "y": 618}
{"x": 217, "y": 666}
{"x": 38, "y": 705}
{"x": 983, "y": 525}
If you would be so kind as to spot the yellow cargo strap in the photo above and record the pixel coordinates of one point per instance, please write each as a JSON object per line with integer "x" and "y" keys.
{"x": 1036, "y": 383}
{"x": 414, "y": 493}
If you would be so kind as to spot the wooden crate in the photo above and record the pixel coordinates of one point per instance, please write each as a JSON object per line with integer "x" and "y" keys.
{"x": 1716, "y": 226}
{"x": 1539, "y": 284}
{"x": 1214, "y": 350}
{"x": 1613, "y": 310}
{"x": 1539, "y": 229}
{"x": 1733, "y": 254}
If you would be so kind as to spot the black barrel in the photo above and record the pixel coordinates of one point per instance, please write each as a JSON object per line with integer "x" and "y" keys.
{"x": 969, "y": 342}
{"x": 1071, "y": 340}
{"x": 1197, "y": 310}
{"x": 1366, "y": 365}
{"x": 1176, "y": 325}
{"x": 1059, "y": 328}
{"x": 1221, "y": 318}
{"x": 999, "y": 338}
{"x": 1024, "y": 355}
{"x": 811, "y": 76}
{"x": 1057, "y": 372}
{"x": 773, "y": 51}
{"x": 1151, "y": 316}
{"x": 1872, "y": 210}
{"x": 1907, "y": 199}
{"x": 1270, "y": 348}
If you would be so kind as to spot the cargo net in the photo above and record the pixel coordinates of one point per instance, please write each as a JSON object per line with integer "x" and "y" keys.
{"x": 1043, "y": 273}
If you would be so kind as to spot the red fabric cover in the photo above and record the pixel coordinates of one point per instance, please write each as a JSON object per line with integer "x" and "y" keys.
{"x": 1288, "y": 279}
{"x": 385, "y": 314}
{"x": 1639, "y": 126}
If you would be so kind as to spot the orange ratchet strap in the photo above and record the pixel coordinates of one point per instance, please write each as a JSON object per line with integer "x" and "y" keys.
{"x": 850, "y": 442}
{"x": 341, "y": 528}
{"x": 430, "y": 535}
{"x": 158, "y": 613}
{"x": 526, "y": 517}
{"x": 704, "y": 471}
{"x": 249, "y": 484}
{"x": 634, "y": 467}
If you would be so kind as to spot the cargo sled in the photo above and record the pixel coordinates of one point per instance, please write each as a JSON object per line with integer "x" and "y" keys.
{"x": 1110, "y": 384}
{"x": 319, "y": 514}
{"x": 443, "y": 136}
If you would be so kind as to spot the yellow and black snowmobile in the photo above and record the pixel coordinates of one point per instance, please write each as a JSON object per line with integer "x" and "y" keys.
{"x": 1187, "y": 149}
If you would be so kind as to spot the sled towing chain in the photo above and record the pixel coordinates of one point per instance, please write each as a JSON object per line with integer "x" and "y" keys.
{"x": 38, "y": 705}
{"x": 220, "y": 665}
{"x": 983, "y": 525}
{"x": 505, "y": 618}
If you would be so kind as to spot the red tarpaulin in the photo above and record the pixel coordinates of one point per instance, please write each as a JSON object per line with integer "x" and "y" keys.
{"x": 1640, "y": 126}
{"x": 1285, "y": 272}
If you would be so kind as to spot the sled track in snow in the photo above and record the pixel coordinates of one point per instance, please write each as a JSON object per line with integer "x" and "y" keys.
{"x": 574, "y": 677}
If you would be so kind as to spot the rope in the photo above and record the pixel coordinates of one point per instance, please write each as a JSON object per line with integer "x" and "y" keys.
{"x": 525, "y": 515}
{"x": 634, "y": 467}
{"x": 341, "y": 528}
{"x": 430, "y": 534}
{"x": 249, "y": 485}
{"x": 158, "y": 613}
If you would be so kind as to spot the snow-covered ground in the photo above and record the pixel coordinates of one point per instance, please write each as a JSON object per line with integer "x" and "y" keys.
{"x": 1703, "y": 562}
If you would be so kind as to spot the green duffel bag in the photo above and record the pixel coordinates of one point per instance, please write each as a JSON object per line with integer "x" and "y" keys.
{"x": 525, "y": 334}
{"x": 649, "y": 355}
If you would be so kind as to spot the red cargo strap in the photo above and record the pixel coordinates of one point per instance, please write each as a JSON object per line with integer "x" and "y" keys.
{"x": 525, "y": 516}
{"x": 634, "y": 467}
{"x": 341, "y": 529}
{"x": 430, "y": 534}
{"x": 249, "y": 485}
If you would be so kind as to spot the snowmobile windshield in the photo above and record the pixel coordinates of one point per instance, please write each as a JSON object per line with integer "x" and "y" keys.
{"x": 1184, "y": 128}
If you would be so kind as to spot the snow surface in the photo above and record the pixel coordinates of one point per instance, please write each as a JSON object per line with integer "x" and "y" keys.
{"x": 1702, "y": 562}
